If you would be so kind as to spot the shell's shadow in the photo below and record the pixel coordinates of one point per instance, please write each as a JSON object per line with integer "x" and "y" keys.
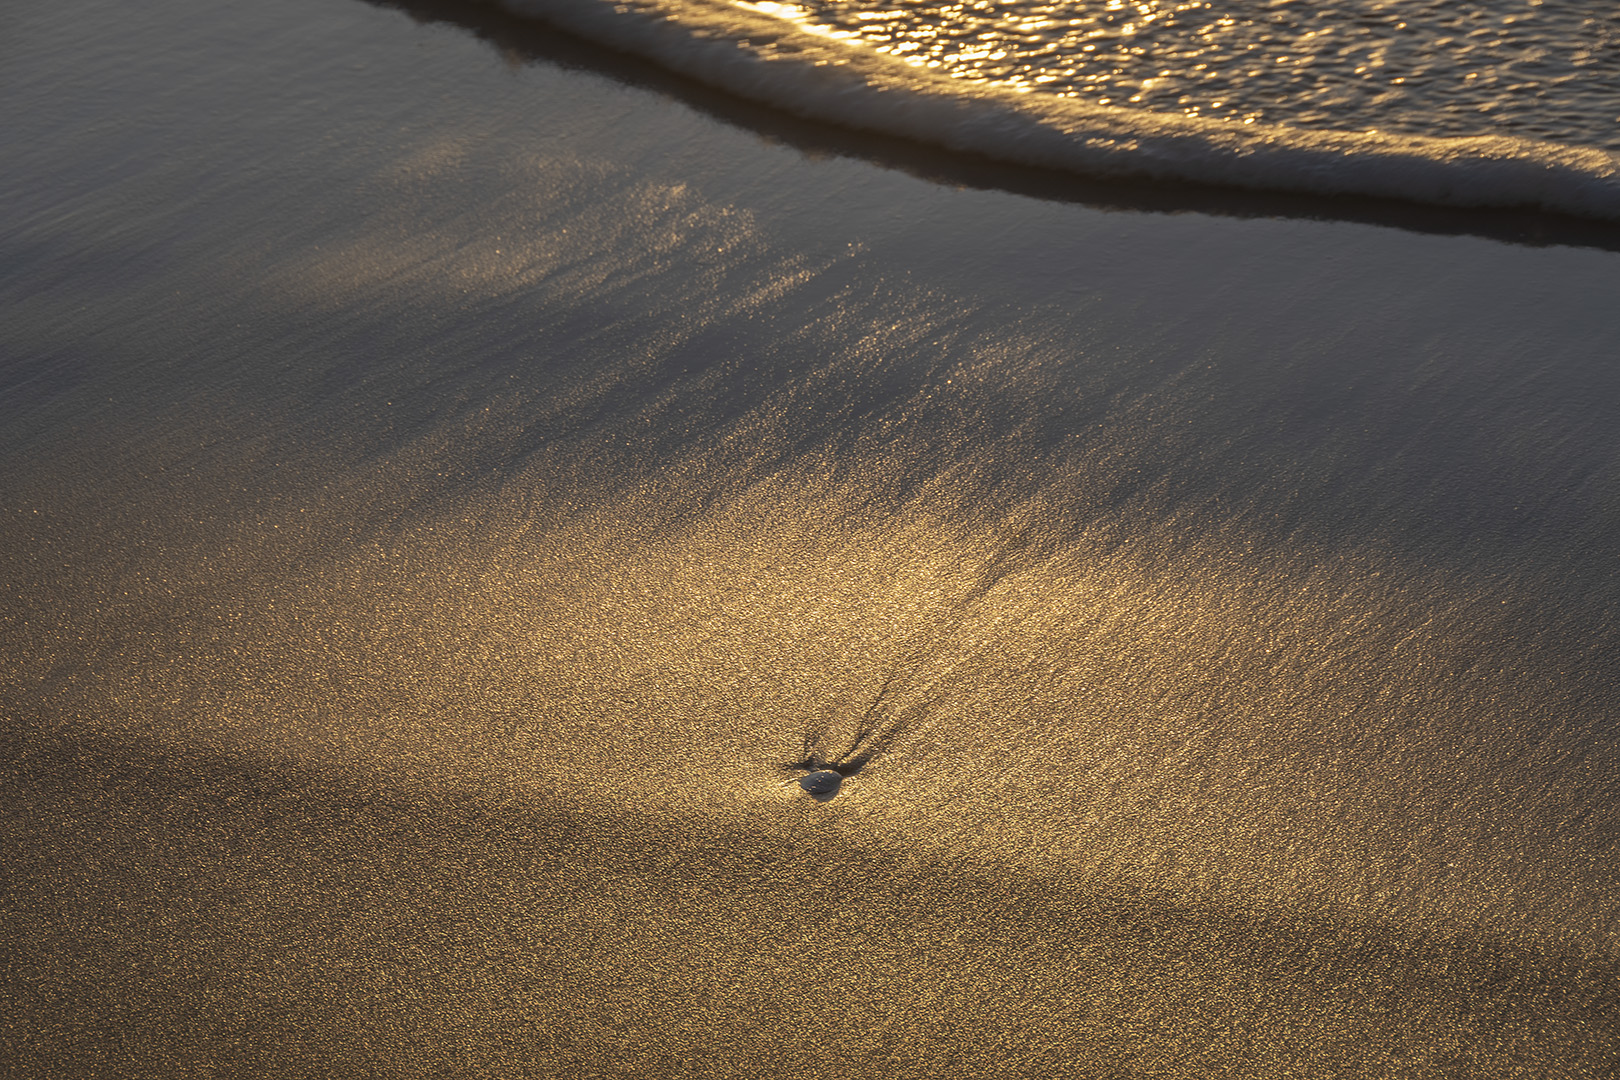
{"x": 824, "y": 777}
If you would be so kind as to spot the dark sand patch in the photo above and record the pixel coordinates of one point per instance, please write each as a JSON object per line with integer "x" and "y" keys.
{"x": 182, "y": 914}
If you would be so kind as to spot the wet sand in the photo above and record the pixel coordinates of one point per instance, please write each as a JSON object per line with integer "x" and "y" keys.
{"x": 450, "y": 472}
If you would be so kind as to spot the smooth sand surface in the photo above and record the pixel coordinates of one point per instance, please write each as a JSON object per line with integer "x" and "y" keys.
{"x": 449, "y": 472}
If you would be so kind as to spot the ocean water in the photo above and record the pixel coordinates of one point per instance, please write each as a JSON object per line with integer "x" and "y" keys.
{"x": 1518, "y": 68}
{"x": 1506, "y": 105}
{"x": 458, "y": 480}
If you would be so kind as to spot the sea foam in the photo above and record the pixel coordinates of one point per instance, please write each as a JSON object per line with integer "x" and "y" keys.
{"x": 752, "y": 51}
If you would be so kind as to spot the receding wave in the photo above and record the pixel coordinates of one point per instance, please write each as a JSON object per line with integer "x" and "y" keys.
{"x": 752, "y": 51}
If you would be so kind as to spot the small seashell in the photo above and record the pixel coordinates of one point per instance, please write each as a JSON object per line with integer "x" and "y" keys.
{"x": 823, "y": 784}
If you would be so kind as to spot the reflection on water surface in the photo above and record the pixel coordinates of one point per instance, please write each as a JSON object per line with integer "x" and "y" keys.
{"x": 1500, "y": 67}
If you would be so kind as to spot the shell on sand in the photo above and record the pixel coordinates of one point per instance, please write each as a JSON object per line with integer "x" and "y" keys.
{"x": 823, "y": 784}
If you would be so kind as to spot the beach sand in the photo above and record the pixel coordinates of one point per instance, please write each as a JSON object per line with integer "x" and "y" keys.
{"x": 449, "y": 472}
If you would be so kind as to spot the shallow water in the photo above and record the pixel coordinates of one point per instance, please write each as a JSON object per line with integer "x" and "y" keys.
{"x": 1507, "y": 67}
{"x": 792, "y": 59}
{"x": 445, "y": 487}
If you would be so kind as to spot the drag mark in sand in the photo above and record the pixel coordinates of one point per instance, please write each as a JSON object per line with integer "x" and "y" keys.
{"x": 924, "y": 666}
{"x": 824, "y": 777}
